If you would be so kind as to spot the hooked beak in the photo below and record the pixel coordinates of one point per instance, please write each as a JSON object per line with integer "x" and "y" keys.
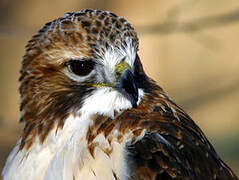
{"x": 128, "y": 87}
{"x": 126, "y": 83}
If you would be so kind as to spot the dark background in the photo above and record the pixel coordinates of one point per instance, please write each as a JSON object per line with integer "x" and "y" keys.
{"x": 190, "y": 47}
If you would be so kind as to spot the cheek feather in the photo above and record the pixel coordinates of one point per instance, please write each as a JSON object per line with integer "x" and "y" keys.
{"x": 104, "y": 101}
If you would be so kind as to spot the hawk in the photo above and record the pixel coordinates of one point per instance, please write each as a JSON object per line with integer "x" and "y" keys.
{"x": 91, "y": 112}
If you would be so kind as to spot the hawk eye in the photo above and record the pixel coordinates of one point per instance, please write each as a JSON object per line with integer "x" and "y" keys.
{"x": 80, "y": 68}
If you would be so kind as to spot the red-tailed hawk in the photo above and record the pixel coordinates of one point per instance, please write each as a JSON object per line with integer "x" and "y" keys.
{"x": 91, "y": 112}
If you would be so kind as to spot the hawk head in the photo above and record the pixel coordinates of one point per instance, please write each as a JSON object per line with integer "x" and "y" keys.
{"x": 84, "y": 62}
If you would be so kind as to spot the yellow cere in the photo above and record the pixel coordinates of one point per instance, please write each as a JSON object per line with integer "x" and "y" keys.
{"x": 120, "y": 68}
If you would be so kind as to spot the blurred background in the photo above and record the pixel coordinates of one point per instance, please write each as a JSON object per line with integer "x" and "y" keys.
{"x": 190, "y": 47}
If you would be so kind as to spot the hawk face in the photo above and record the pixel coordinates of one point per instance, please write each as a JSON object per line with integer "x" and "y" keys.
{"x": 84, "y": 62}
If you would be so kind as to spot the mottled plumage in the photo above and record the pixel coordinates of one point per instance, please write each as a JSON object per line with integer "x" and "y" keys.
{"x": 91, "y": 112}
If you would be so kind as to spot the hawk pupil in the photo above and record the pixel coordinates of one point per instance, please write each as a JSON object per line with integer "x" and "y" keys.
{"x": 81, "y": 68}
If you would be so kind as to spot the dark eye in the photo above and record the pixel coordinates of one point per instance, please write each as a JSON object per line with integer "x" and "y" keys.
{"x": 80, "y": 68}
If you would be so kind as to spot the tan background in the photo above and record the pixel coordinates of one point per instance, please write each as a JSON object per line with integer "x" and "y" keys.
{"x": 190, "y": 47}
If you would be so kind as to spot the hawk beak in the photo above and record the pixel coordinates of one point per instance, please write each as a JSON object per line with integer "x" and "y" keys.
{"x": 127, "y": 86}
